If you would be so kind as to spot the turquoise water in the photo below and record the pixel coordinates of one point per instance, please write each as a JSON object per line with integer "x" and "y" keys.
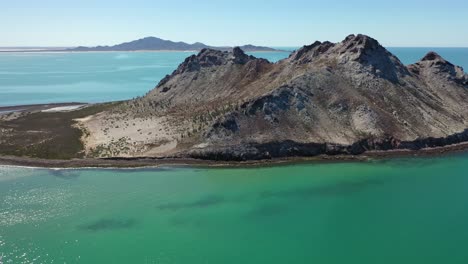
{"x": 399, "y": 211}
{"x": 30, "y": 78}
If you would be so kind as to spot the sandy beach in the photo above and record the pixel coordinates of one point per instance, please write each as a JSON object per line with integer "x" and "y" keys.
{"x": 41, "y": 107}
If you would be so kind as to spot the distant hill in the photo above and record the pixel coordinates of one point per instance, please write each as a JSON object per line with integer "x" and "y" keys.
{"x": 153, "y": 43}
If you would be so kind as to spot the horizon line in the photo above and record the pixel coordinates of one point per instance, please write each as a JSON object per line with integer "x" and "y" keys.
{"x": 281, "y": 46}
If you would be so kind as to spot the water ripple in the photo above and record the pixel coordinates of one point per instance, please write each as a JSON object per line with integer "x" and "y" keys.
{"x": 35, "y": 205}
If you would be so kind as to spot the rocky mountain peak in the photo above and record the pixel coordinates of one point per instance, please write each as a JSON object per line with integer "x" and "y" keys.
{"x": 355, "y": 54}
{"x": 432, "y": 56}
{"x": 432, "y": 64}
{"x": 353, "y": 47}
{"x": 356, "y": 43}
{"x": 361, "y": 48}
{"x": 432, "y": 59}
{"x": 209, "y": 58}
{"x": 240, "y": 57}
{"x": 238, "y": 52}
{"x": 205, "y": 58}
{"x": 369, "y": 56}
{"x": 308, "y": 52}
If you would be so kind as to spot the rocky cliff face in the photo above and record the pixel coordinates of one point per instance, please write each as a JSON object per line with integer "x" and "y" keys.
{"x": 326, "y": 98}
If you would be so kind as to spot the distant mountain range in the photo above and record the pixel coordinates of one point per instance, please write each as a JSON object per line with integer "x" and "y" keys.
{"x": 157, "y": 44}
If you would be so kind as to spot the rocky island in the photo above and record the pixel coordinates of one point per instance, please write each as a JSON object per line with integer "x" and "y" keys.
{"x": 158, "y": 44}
{"x": 348, "y": 98}
{"x": 147, "y": 44}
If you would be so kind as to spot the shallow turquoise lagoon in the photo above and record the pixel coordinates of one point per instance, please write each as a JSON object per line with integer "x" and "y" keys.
{"x": 395, "y": 211}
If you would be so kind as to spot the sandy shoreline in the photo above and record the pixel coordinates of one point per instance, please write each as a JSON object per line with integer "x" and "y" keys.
{"x": 37, "y": 107}
{"x": 151, "y": 162}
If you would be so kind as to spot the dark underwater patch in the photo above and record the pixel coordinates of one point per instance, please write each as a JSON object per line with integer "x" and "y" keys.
{"x": 343, "y": 188}
{"x": 108, "y": 224}
{"x": 64, "y": 174}
{"x": 203, "y": 202}
{"x": 268, "y": 210}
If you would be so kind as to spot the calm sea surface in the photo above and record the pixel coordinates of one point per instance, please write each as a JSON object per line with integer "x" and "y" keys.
{"x": 399, "y": 211}
{"x": 30, "y": 78}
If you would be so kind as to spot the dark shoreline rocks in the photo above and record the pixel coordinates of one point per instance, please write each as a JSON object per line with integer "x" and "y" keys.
{"x": 294, "y": 149}
{"x": 154, "y": 163}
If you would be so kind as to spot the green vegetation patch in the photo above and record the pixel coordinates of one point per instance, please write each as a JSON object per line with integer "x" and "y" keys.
{"x": 47, "y": 135}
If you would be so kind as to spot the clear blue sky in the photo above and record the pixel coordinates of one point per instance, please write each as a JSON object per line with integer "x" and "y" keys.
{"x": 271, "y": 23}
